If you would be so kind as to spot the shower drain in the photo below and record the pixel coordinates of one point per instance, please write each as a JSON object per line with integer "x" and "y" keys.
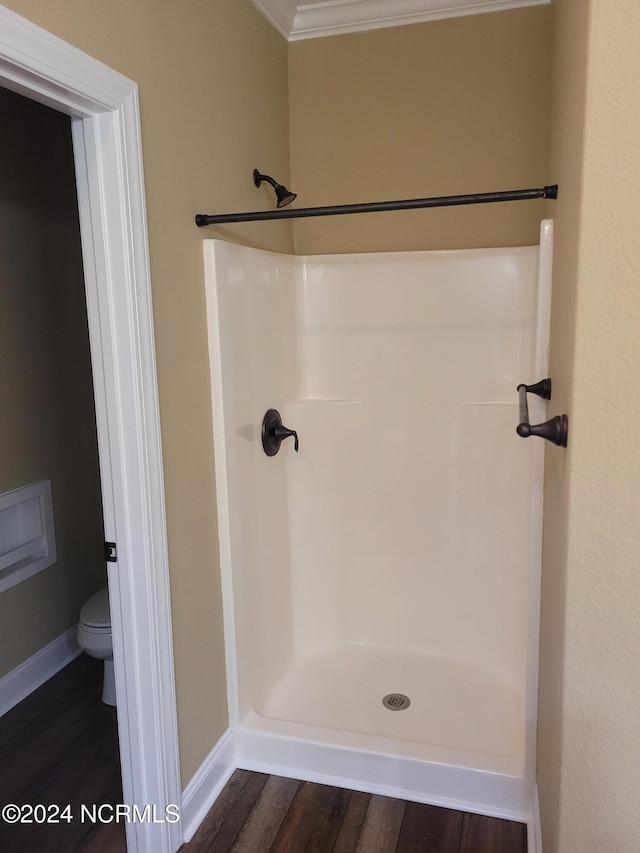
{"x": 396, "y": 701}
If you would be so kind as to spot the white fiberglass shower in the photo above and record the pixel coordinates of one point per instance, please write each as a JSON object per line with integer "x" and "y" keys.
{"x": 398, "y": 552}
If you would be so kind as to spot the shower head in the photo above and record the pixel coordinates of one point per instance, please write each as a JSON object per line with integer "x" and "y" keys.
{"x": 283, "y": 195}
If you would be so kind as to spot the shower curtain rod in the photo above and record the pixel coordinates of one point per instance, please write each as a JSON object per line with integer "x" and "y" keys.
{"x": 375, "y": 206}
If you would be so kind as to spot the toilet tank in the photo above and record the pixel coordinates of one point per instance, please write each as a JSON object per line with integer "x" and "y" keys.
{"x": 95, "y": 612}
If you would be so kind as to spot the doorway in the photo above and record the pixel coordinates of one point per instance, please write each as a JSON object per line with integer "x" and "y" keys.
{"x": 103, "y": 107}
{"x": 49, "y": 446}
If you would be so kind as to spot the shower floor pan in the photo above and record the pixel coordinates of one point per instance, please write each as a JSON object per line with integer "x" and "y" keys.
{"x": 456, "y": 712}
{"x": 460, "y": 741}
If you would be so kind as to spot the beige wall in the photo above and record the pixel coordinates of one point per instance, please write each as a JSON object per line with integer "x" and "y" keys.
{"x": 589, "y": 750}
{"x": 47, "y": 421}
{"x": 442, "y": 108}
{"x": 213, "y": 92}
{"x": 567, "y": 144}
{"x": 212, "y": 76}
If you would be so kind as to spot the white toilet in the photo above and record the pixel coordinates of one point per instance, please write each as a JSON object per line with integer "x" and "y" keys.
{"x": 94, "y": 637}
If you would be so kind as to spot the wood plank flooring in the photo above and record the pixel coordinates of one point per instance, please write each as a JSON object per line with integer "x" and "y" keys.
{"x": 60, "y": 746}
{"x": 256, "y": 813}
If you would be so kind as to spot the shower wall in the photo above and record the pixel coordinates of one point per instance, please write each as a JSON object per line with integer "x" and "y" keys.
{"x": 258, "y": 312}
{"x": 396, "y": 547}
{"x": 408, "y": 520}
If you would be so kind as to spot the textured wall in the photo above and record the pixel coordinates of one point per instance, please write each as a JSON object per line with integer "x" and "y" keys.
{"x": 589, "y": 752}
{"x": 47, "y": 420}
{"x": 441, "y": 108}
{"x": 212, "y": 77}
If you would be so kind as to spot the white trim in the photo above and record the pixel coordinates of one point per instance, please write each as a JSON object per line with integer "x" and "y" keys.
{"x": 222, "y": 460}
{"x": 32, "y": 673}
{"x": 538, "y": 409}
{"x": 205, "y": 787}
{"x": 490, "y": 794}
{"x": 534, "y": 827}
{"x": 106, "y": 136}
{"x": 300, "y": 20}
{"x": 280, "y": 14}
{"x": 493, "y": 794}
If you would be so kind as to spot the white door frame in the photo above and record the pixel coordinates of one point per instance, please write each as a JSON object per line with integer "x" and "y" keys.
{"x": 106, "y": 136}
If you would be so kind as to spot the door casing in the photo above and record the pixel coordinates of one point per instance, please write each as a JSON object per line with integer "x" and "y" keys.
{"x": 103, "y": 106}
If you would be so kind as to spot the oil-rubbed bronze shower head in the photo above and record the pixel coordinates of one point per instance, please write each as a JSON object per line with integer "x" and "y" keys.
{"x": 283, "y": 195}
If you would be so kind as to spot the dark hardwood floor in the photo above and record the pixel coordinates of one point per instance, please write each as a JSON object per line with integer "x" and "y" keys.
{"x": 268, "y": 814}
{"x": 60, "y": 747}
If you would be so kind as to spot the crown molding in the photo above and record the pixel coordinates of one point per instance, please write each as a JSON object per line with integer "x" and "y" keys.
{"x": 281, "y": 14}
{"x": 300, "y": 20}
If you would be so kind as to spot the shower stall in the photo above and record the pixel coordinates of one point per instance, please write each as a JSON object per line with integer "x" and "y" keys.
{"x": 381, "y": 585}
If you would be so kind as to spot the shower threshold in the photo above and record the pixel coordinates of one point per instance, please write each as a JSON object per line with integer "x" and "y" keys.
{"x": 457, "y": 715}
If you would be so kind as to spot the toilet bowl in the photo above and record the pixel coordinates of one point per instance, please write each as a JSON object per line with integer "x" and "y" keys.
{"x": 94, "y": 638}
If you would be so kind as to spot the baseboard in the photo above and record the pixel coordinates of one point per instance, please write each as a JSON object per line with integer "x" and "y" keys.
{"x": 448, "y": 787}
{"x": 486, "y": 793}
{"x": 206, "y": 785}
{"x": 24, "y": 679}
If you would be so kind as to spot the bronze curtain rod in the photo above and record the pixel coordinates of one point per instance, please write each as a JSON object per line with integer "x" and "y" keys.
{"x": 375, "y": 206}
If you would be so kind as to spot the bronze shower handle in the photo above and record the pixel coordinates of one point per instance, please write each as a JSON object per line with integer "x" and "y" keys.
{"x": 554, "y": 430}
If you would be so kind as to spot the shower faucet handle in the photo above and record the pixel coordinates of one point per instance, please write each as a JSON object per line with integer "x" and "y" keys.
{"x": 274, "y": 432}
{"x": 281, "y": 432}
{"x": 554, "y": 430}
